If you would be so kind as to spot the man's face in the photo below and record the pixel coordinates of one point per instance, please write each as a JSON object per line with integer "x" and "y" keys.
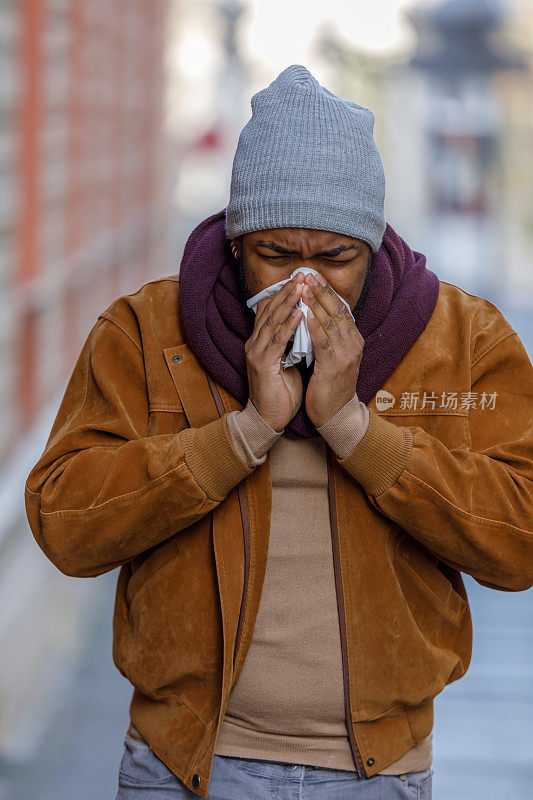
{"x": 269, "y": 256}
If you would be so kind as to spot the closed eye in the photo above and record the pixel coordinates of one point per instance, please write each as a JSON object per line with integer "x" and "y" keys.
{"x": 323, "y": 258}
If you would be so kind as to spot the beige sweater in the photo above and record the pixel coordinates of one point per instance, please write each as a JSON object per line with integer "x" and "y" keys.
{"x": 288, "y": 702}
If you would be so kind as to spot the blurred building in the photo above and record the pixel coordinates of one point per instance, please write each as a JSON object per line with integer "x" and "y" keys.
{"x": 454, "y": 127}
{"x": 118, "y": 125}
{"x": 514, "y": 92}
{"x": 83, "y": 218}
{"x": 454, "y": 113}
{"x": 208, "y": 105}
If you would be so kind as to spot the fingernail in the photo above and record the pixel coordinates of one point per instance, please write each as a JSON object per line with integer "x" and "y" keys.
{"x": 321, "y": 279}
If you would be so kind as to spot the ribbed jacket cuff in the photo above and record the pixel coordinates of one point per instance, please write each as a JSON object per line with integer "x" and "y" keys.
{"x": 213, "y": 461}
{"x": 380, "y": 457}
{"x": 251, "y": 435}
{"x": 346, "y": 428}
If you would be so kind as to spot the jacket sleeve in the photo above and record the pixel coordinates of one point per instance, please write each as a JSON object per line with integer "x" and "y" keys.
{"x": 473, "y": 507}
{"x": 103, "y": 490}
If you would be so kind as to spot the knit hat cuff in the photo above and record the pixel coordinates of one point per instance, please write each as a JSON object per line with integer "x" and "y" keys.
{"x": 262, "y": 214}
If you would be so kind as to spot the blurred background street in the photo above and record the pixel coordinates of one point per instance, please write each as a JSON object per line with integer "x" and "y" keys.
{"x": 118, "y": 125}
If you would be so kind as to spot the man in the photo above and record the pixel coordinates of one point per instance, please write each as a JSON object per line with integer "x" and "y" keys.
{"x": 291, "y": 534}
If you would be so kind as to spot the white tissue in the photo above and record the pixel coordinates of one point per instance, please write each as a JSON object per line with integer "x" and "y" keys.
{"x": 302, "y": 342}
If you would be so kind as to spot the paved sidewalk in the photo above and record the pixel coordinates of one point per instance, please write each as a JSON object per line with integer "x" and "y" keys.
{"x": 80, "y": 753}
{"x": 483, "y": 722}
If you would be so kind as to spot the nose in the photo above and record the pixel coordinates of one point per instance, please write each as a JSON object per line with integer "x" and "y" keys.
{"x": 303, "y": 271}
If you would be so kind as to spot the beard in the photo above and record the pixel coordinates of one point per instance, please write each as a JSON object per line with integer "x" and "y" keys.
{"x": 366, "y": 286}
{"x": 245, "y": 291}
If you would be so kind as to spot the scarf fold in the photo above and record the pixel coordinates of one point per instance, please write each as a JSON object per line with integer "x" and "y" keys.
{"x": 400, "y": 300}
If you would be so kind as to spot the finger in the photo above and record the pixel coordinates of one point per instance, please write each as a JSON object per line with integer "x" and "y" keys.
{"x": 271, "y": 315}
{"x": 276, "y": 313}
{"x": 275, "y": 348}
{"x": 272, "y": 302}
{"x": 328, "y": 324}
{"x": 325, "y": 302}
{"x": 322, "y": 344}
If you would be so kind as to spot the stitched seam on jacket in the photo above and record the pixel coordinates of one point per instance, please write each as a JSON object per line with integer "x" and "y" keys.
{"x": 148, "y": 283}
{"x": 201, "y": 743}
{"x": 166, "y": 407}
{"x": 152, "y": 574}
{"x": 421, "y": 412}
{"x": 76, "y": 512}
{"x": 82, "y": 403}
{"x": 400, "y": 706}
{"x": 491, "y": 523}
{"x": 125, "y": 332}
{"x": 491, "y": 346}
{"x": 193, "y": 712}
{"x": 349, "y": 651}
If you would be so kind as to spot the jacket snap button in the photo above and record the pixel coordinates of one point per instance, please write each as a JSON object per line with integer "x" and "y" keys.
{"x": 177, "y": 359}
{"x": 370, "y": 762}
{"x": 195, "y": 777}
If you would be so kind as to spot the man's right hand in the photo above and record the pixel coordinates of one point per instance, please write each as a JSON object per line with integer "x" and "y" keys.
{"x": 275, "y": 392}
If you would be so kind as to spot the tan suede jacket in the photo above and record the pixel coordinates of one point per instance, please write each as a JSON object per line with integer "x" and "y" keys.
{"x": 139, "y": 473}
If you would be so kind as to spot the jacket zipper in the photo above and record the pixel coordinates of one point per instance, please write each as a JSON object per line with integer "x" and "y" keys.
{"x": 245, "y": 517}
{"x": 342, "y": 620}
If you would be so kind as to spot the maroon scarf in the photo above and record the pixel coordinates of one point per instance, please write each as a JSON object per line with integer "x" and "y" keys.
{"x": 401, "y": 296}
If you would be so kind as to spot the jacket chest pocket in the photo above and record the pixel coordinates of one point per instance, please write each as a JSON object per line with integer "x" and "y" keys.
{"x": 180, "y": 396}
{"x": 187, "y": 390}
{"x": 162, "y": 421}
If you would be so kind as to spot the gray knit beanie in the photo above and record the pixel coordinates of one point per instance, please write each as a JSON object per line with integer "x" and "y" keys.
{"x": 307, "y": 159}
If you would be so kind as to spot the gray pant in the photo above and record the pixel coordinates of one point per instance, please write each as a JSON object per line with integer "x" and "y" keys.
{"x": 143, "y": 775}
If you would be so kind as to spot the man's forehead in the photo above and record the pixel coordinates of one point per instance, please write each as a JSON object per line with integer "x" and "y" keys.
{"x": 290, "y": 236}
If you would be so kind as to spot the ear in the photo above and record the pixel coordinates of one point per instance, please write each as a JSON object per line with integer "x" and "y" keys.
{"x": 236, "y": 247}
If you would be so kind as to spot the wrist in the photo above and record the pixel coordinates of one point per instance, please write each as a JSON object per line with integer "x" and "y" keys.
{"x": 251, "y": 410}
{"x": 345, "y": 429}
{"x": 251, "y": 435}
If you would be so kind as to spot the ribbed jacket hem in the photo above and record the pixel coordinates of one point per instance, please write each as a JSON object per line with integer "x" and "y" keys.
{"x": 330, "y": 752}
{"x": 380, "y": 457}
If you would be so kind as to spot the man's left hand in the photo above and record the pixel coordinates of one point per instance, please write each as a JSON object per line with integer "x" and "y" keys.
{"x": 338, "y": 348}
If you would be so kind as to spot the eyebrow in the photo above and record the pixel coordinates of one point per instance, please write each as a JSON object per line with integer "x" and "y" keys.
{"x": 284, "y": 251}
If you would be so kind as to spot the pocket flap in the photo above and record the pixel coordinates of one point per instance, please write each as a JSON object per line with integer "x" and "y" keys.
{"x": 191, "y": 384}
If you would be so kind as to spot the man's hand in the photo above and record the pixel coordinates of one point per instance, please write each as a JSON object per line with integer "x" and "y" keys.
{"x": 275, "y": 392}
{"x": 338, "y": 347}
